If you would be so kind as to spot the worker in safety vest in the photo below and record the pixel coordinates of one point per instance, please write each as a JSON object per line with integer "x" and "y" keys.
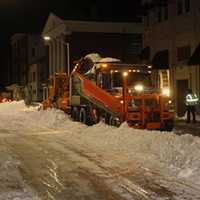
{"x": 191, "y": 100}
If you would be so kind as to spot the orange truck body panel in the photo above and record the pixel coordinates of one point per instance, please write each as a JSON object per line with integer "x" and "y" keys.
{"x": 58, "y": 93}
{"x": 100, "y": 97}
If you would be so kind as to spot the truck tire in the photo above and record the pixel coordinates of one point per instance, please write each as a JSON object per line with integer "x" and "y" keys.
{"x": 75, "y": 114}
{"x": 169, "y": 125}
{"x": 83, "y": 116}
{"x": 114, "y": 121}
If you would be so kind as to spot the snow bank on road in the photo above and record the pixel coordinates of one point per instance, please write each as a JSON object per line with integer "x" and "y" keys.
{"x": 179, "y": 155}
{"x": 15, "y": 107}
{"x": 15, "y": 116}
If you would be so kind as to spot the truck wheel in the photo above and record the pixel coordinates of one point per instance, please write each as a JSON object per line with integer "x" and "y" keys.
{"x": 114, "y": 121}
{"x": 105, "y": 118}
{"x": 83, "y": 116}
{"x": 169, "y": 125}
{"x": 117, "y": 122}
{"x": 111, "y": 121}
{"x": 75, "y": 114}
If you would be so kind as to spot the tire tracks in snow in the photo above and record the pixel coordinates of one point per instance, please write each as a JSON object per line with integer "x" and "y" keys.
{"x": 116, "y": 180}
{"x": 134, "y": 182}
{"x": 158, "y": 187}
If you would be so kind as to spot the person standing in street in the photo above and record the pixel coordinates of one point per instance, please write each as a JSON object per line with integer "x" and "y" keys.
{"x": 191, "y": 100}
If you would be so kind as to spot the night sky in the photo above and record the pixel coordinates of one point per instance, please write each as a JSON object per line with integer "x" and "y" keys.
{"x": 17, "y": 16}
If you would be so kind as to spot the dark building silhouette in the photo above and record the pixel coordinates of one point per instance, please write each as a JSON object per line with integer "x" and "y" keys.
{"x": 29, "y": 66}
{"x": 74, "y": 39}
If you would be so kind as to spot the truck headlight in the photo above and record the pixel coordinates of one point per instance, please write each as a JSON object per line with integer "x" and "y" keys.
{"x": 139, "y": 88}
{"x": 166, "y": 92}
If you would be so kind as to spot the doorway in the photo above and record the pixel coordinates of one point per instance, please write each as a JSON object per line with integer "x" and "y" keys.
{"x": 182, "y": 86}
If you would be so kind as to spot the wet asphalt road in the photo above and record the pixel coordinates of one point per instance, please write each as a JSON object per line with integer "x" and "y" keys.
{"x": 181, "y": 127}
{"x": 57, "y": 169}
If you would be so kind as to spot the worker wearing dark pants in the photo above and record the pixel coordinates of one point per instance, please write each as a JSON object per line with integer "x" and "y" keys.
{"x": 191, "y": 109}
{"x": 191, "y": 100}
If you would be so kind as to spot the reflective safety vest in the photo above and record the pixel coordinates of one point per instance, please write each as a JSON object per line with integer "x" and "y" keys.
{"x": 191, "y": 100}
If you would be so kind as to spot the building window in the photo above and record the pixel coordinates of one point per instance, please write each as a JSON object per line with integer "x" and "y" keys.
{"x": 30, "y": 77}
{"x": 187, "y": 6}
{"x": 166, "y": 12}
{"x": 159, "y": 14}
{"x": 34, "y": 76}
{"x": 33, "y": 52}
{"x": 42, "y": 76}
{"x": 183, "y": 53}
{"x": 179, "y": 7}
{"x": 147, "y": 20}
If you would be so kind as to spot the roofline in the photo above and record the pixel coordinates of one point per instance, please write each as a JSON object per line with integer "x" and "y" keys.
{"x": 20, "y": 35}
{"x": 100, "y": 22}
{"x": 95, "y": 26}
{"x": 17, "y": 35}
{"x": 98, "y": 26}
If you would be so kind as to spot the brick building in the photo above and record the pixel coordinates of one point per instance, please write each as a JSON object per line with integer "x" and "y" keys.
{"x": 170, "y": 40}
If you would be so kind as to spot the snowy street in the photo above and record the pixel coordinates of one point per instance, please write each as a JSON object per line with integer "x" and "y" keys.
{"x": 46, "y": 156}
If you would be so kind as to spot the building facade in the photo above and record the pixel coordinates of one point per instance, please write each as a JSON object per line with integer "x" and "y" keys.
{"x": 19, "y": 57}
{"x": 37, "y": 66}
{"x": 70, "y": 40}
{"x": 171, "y": 36}
{"x": 29, "y": 63}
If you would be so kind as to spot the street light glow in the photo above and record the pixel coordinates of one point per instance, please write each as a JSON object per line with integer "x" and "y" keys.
{"x": 104, "y": 65}
{"x": 166, "y": 92}
{"x": 139, "y": 88}
{"x": 125, "y": 74}
{"x": 47, "y": 38}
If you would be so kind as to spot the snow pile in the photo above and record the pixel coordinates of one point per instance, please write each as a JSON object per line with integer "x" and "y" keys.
{"x": 178, "y": 155}
{"x": 94, "y": 57}
{"x": 16, "y": 107}
{"x": 15, "y": 116}
{"x": 52, "y": 119}
{"x": 109, "y": 59}
{"x": 97, "y": 59}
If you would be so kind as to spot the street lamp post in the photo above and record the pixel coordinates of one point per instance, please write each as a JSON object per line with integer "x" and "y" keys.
{"x": 48, "y": 38}
{"x": 125, "y": 90}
